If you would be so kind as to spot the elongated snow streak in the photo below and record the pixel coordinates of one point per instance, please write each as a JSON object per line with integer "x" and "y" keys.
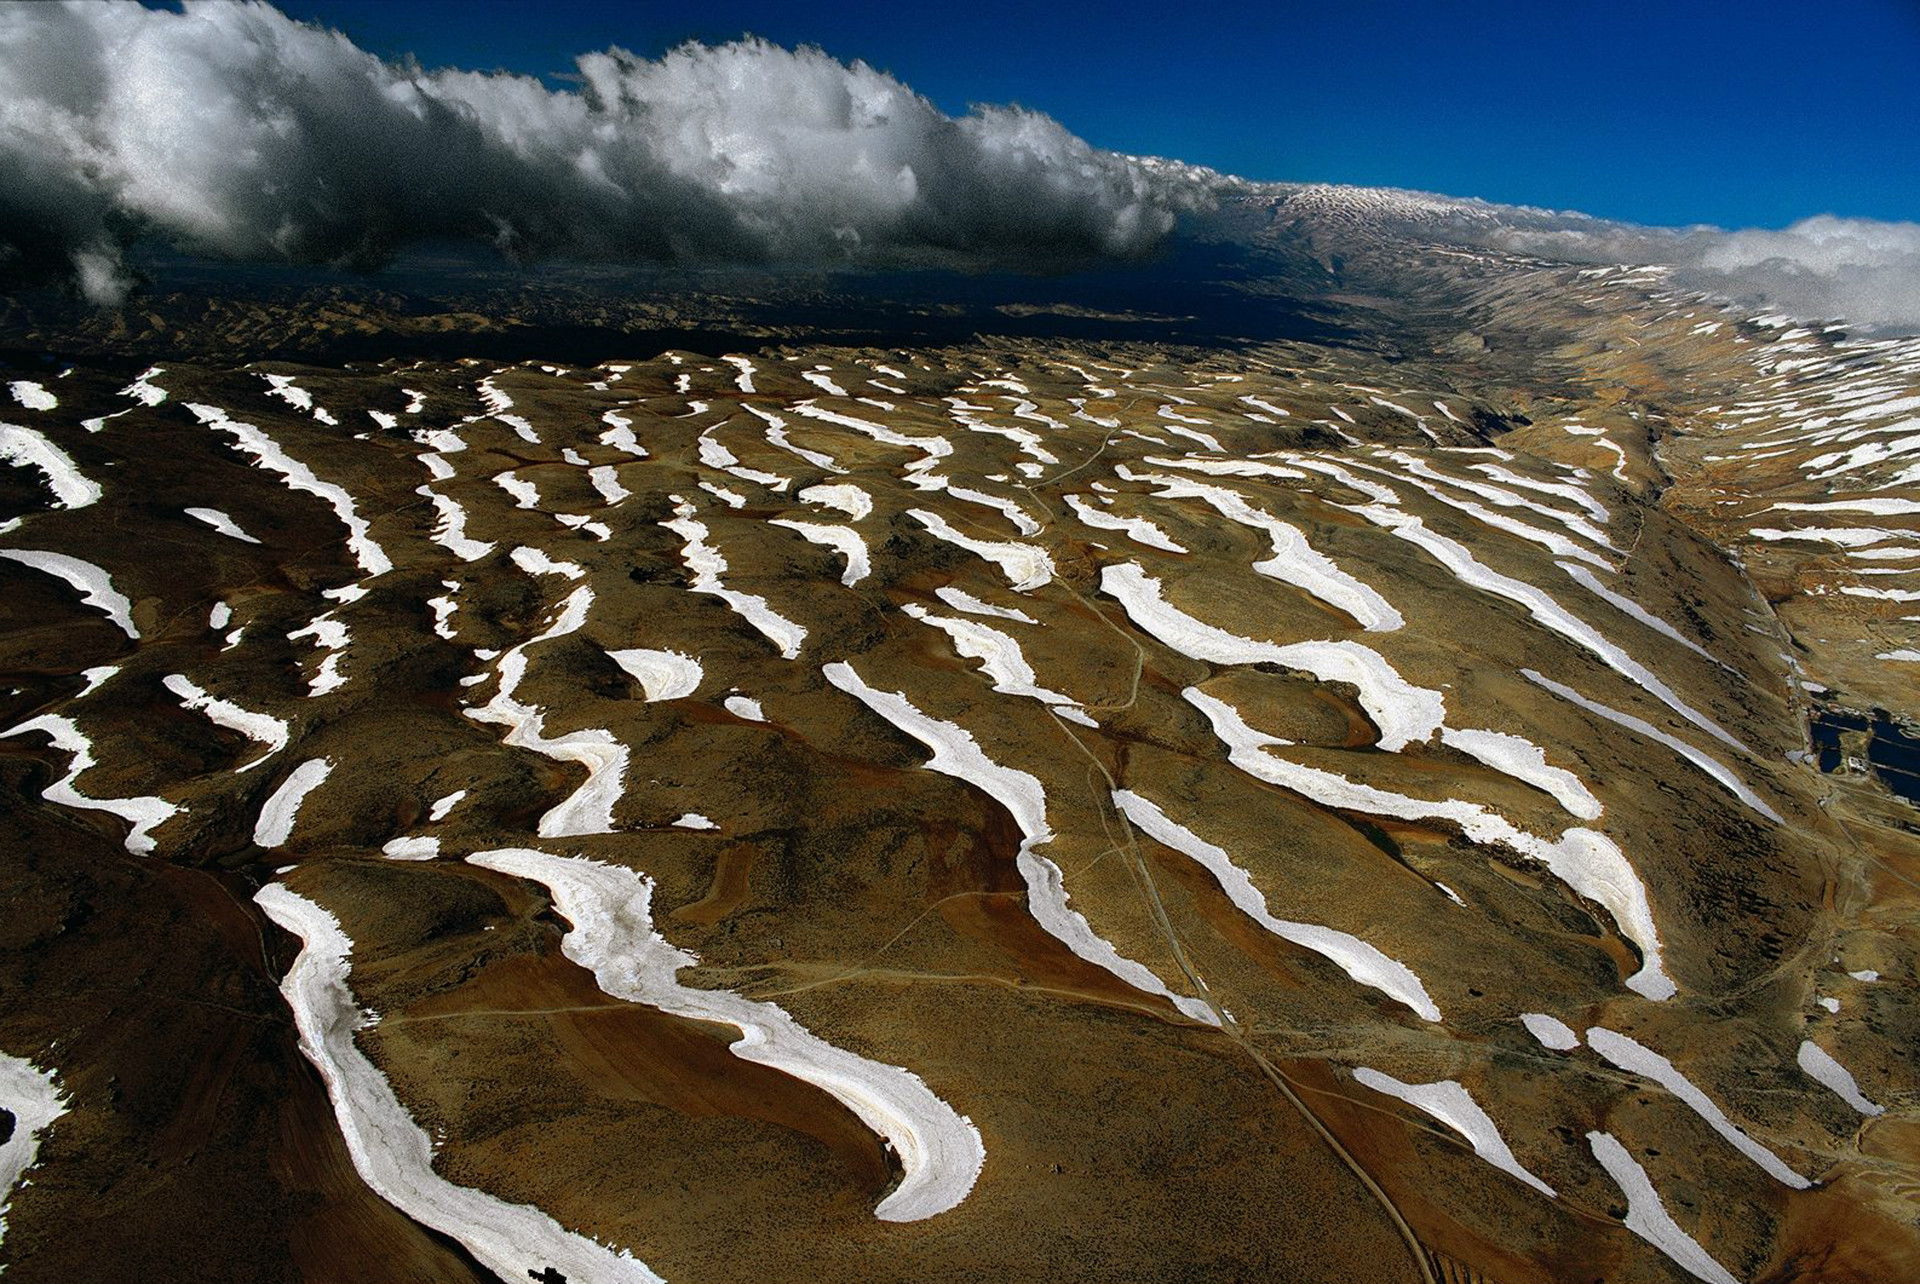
{"x": 619, "y": 434}
{"x": 743, "y": 380}
{"x": 1028, "y": 441}
{"x": 260, "y": 727}
{"x": 1404, "y": 713}
{"x": 411, "y": 849}
{"x": 392, "y": 1153}
{"x": 777, "y": 436}
{"x": 1566, "y": 490}
{"x": 1706, "y": 763}
{"x": 1451, "y": 1103}
{"x": 442, "y": 806}
{"x": 535, "y": 562}
{"x": 707, "y": 562}
{"x": 715, "y": 455}
{"x": 1550, "y": 1032}
{"x": 1470, "y": 571}
{"x": 606, "y": 480}
{"x": 589, "y": 809}
{"x": 1026, "y": 567}
{"x": 1820, "y": 1065}
{"x": 26, "y": 446}
{"x": 1421, "y": 474}
{"x": 936, "y": 447}
{"x": 1587, "y": 580}
{"x": 1555, "y": 543}
{"x": 961, "y": 600}
{"x": 220, "y": 522}
{"x": 1137, "y": 529}
{"x": 450, "y": 530}
{"x": 1637, "y": 1058}
{"x": 842, "y": 539}
{"x": 268, "y": 454}
{"x": 613, "y": 936}
{"x": 279, "y": 811}
{"x": 498, "y": 403}
{"x": 1267, "y": 406}
{"x": 95, "y": 585}
{"x": 1365, "y": 963}
{"x": 1294, "y": 560}
{"x": 525, "y": 493}
{"x": 663, "y": 675}
{"x": 33, "y": 1097}
{"x": 1001, "y": 659}
{"x": 143, "y": 814}
{"x": 823, "y": 382}
{"x": 849, "y": 499}
{"x": 956, "y": 754}
{"x": 1648, "y": 1218}
{"x": 1585, "y": 860}
{"x": 1525, "y": 761}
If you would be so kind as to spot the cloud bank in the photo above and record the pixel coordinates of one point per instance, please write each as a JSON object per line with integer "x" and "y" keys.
{"x": 1861, "y": 271}
{"x": 231, "y": 131}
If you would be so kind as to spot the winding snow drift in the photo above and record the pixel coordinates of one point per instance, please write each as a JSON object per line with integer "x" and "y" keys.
{"x": 392, "y": 1153}
{"x": 613, "y": 936}
{"x": 956, "y": 754}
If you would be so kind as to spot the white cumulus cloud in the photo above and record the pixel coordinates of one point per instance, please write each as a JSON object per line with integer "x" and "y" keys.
{"x": 232, "y": 131}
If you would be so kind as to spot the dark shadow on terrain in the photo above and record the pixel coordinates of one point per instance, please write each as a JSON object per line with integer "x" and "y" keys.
{"x": 446, "y": 305}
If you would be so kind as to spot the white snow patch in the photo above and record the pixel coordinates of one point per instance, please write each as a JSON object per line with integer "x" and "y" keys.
{"x": 25, "y": 446}
{"x": 1636, "y": 1058}
{"x": 1585, "y": 860}
{"x": 95, "y": 585}
{"x": 849, "y": 499}
{"x": 1820, "y": 1065}
{"x": 707, "y": 562}
{"x": 957, "y": 754}
{"x": 268, "y": 454}
{"x": 1137, "y": 529}
{"x": 663, "y": 675}
{"x": 1648, "y": 1218}
{"x": 1404, "y": 713}
{"x": 1025, "y": 566}
{"x": 1365, "y": 963}
{"x": 961, "y": 600}
{"x": 392, "y": 1153}
{"x": 260, "y": 727}
{"x": 34, "y": 1099}
{"x": 1706, "y": 763}
{"x": 143, "y": 814}
{"x": 222, "y": 523}
{"x": 614, "y": 937}
{"x": 1550, "y": 1032}
{"x": 32, "y": 395}
{"x": 842, "y": 539}
{"x": 277, "y": 813}
{"x": 1450, "y": 1103}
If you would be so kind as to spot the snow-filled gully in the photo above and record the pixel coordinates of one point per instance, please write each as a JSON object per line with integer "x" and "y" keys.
{"x": 957, "y": 754}
{"x": 589, "y": 809}
{"x": 391, "y": 1152}
{"x": 614, "y": 937}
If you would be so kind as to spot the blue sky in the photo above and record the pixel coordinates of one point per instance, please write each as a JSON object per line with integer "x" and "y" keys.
{"x": 1750, "y": 114}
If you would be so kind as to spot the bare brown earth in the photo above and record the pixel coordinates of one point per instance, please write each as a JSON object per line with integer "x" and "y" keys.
{"x": 880, "y": 902}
